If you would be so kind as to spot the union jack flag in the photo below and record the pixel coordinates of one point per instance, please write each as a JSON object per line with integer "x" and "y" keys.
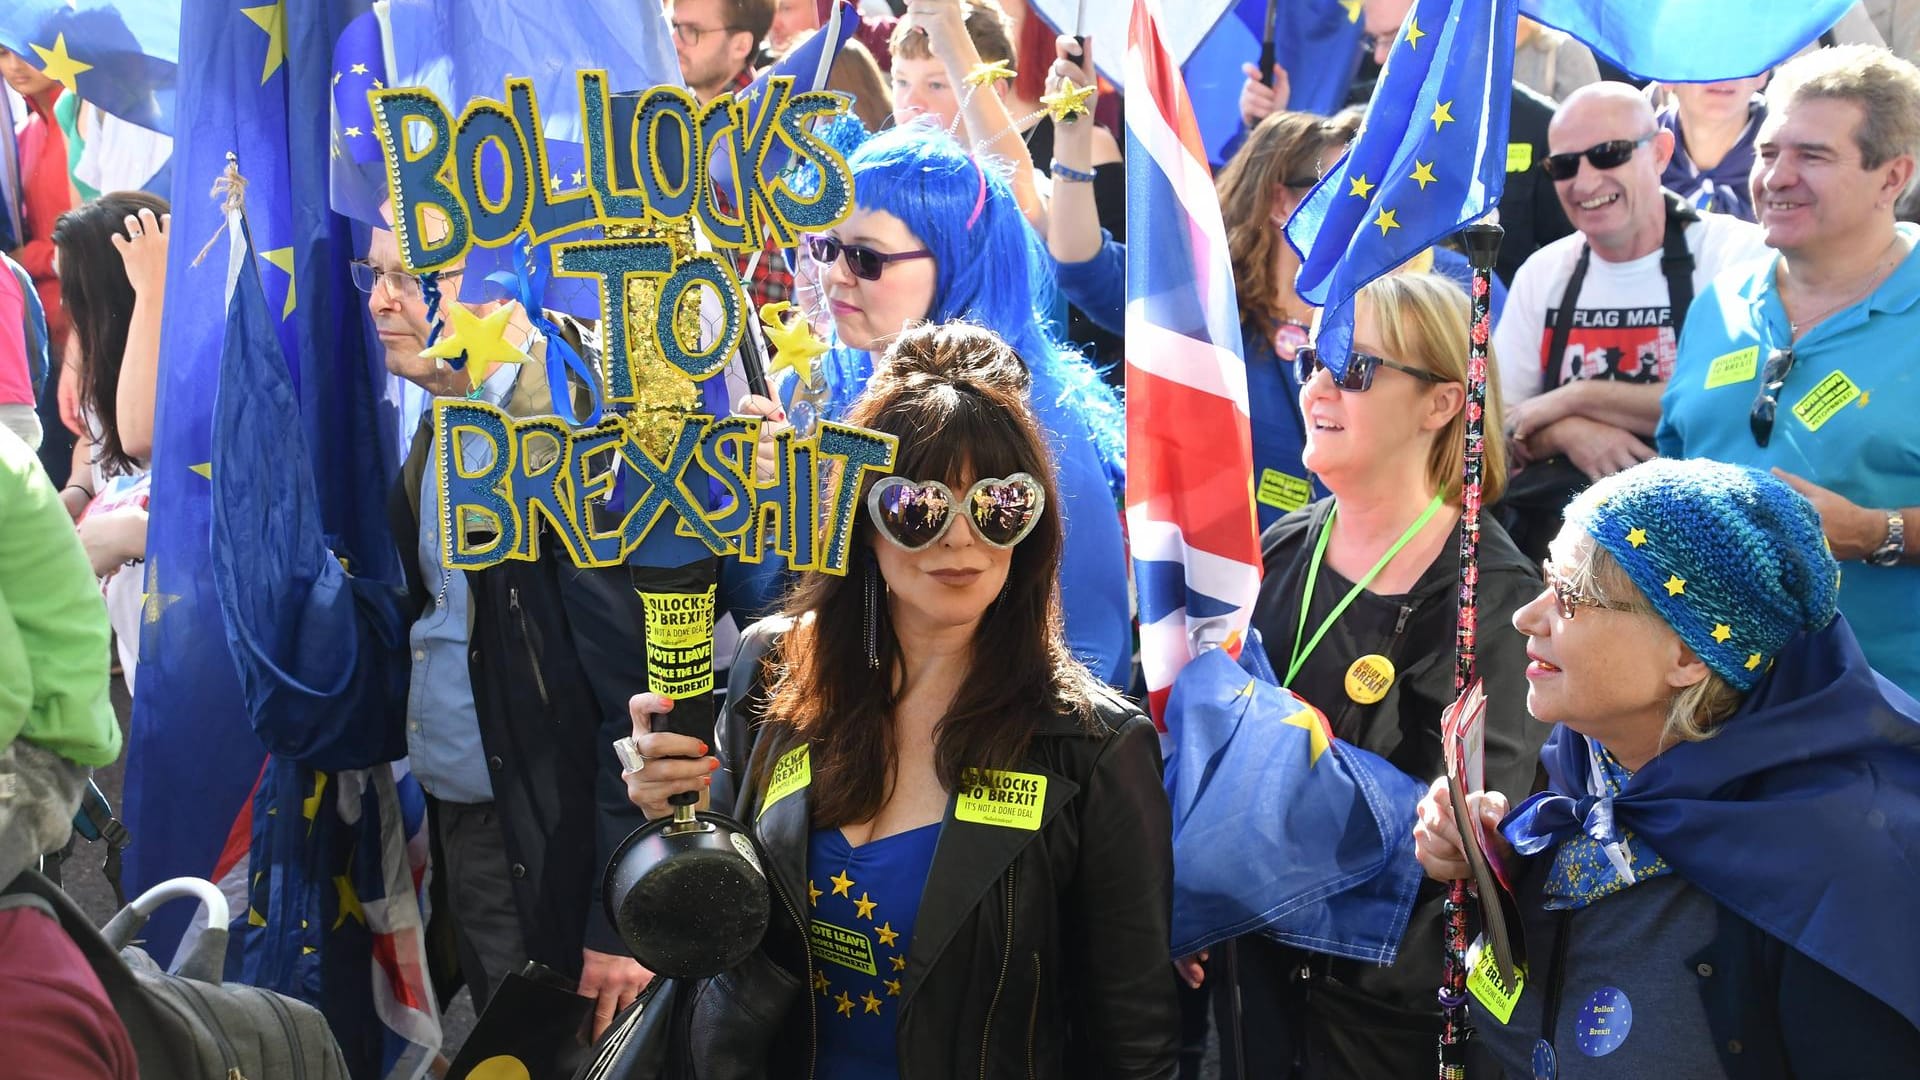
{"x": 1190, "y": 516}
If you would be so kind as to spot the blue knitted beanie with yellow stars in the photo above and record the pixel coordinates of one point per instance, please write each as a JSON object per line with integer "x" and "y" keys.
{"x": 1732, "y": 558}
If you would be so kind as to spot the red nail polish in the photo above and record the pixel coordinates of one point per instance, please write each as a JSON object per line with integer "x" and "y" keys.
{"x": 706, "y": 781}
{"x": 713, "y": 764}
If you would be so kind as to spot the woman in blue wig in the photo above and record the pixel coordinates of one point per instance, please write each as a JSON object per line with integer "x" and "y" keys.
{"x": 936, "y": 236}
{"x": 1719, "y": 878}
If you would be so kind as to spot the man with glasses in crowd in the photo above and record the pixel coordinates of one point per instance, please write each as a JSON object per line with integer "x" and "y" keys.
{"x": 1805, "y": 363}
{"x": 505, "y": 721}
{"x": 1592, "y": 321}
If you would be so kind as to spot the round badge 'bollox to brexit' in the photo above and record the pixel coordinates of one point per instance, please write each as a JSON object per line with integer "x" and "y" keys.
{"x": 1369, "y": 678}
{"x": 1604, "y": 1022}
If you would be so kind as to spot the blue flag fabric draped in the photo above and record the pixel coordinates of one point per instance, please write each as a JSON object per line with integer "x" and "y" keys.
{"x": 1279, "y": 829}
{"x": 1316, "y": 41}
{"x": 1430, "y": 158}
{"x": 1802, "y": 814}
{"x": 119, "y": 54}
{"x": 1687, "y": 40}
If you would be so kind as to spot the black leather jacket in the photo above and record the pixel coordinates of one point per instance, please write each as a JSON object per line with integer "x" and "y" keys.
{"x": 1035, "y": 953}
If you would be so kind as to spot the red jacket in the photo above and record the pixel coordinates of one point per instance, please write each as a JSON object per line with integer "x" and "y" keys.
{"x": 58, "y": 1021}
{"x": 48, "y": 194}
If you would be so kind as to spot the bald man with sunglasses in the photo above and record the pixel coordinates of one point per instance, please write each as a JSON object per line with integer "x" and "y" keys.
{"x": 1592, "y": 321}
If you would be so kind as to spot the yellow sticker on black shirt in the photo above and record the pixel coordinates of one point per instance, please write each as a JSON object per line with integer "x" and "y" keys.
{"x": 1011, "y": 800}
{"x": 1519, "y": 156}
{"x": 1735, "y": 367}
{"x": 1828, "y": 396}
{"x": 1283, "y": 492}
{"x": 792, "y": 772}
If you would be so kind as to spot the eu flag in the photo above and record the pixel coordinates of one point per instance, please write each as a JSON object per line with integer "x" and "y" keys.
{"x": 118, "y": 54}
{"x": 1687, "y": 40}
{"x": 1317, "y": 42}
{"x": 1430, "y": 158}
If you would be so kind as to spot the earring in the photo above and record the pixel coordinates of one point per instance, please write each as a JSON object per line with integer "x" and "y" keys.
{"x": 871, "y": 604}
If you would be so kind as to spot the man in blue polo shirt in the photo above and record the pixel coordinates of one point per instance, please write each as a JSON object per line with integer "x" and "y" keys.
{"x": 1806, "y": 364}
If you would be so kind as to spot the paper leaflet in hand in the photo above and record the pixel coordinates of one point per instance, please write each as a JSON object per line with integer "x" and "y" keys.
{"x": 1463, "y": 741}
{"x": 120, "y": 493}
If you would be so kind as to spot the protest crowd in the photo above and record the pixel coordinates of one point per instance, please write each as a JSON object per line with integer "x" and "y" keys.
{"x": 1433, "y": 592}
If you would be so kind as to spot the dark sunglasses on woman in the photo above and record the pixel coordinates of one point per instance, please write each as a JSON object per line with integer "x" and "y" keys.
{"x": 865, "y": 263}
{"x": 915, "y": 515}
{"x": 1360, "y": 369}
{"x": 1607, "y": 155}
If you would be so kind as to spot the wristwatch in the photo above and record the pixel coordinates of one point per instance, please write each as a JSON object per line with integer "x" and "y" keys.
{"x": 1890, "y": 552}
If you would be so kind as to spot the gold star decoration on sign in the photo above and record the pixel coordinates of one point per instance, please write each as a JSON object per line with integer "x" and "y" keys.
{"x": 1442, "y": 115}
{"x": 887, "y": 934}
{"x": 844, "y": 1003}
{"x": 273, "y": 19}
{"x": 985, "y": 74}
{"x": 61, "y": 67}
{"x": 1721, "y": 632}
{"x": 1636, "y": 536}
{"x": 865, "y": 906}
{"x": 794, "y": 343}
{"x": 841, "y": 883}
{"x": 1388, "y": 221}
{"x": 813, "y": 894}
{"x": 1676, "y": 585}
{"x": 1422, "y": 174}
{"x": 872, "y": 1003}
{"x": 1068, "y": 103}
{"x": 1358, "y": 186}
{"x": 481, "y": 337}
{"x": 1414, "y": 33}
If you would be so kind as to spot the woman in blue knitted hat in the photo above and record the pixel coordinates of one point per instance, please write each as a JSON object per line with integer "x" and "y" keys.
{"x": 1718, "y": 880}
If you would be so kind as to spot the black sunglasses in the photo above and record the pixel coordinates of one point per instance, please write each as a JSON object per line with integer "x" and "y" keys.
{"x": 1607, "y": 155}
{"x": 1767, "y": 403}
{"x": 1360, "y": 369}
{"x": 865, "y": 263}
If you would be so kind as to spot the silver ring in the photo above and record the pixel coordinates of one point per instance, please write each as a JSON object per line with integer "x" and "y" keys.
{"x": 134, "y": 234}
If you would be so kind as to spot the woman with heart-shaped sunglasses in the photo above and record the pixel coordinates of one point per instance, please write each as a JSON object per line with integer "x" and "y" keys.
{"x": 965, "y": 831}
{"x": 936, "y": 235}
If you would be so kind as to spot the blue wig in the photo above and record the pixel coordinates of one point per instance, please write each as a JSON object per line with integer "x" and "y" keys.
{"x": 990, "y": 273}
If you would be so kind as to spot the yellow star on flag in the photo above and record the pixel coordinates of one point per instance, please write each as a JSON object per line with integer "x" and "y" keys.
{"x": 893, "y": 987}
{"x": 1636, "y": 536}
{"x": 378, "y": 85}
{"x": 349, "y": 902}
{"x": 481, "y": 338}
{"x": 1721, "y": 632}
{"x": 205, "y": 469}
{"x": 1358, "y": 186}
{"x": 310, "y": 806}
{"x": 283, "y": 259}
{"x": 273, "y": 19}
{"x": 985, "y": 74}
{"x": 794, "y": 343}
{"x": 841, "y": 883}
{"x": 887, "y": 933}
{"x": 1068, "y": 102}
{"x": 354, "y": 133}
{"x": 56, "y": 64}
{"x": 1676, "y": 585}
{"x": 1753, "y": 661}
{"x": 813, "y": 895}
{"x": 899, "y": 962}
{"x": 865, "y": 906}
{"x": 1316, "y": 730}
{"x": 1414, "y": 33}
{"x": 1423, "y": 174}
{"x": 1442, "y": 115}
{"x": 1353, "y": 9}
{"x": 820, "y": 982}
{"x": 845, "y": 1003}
{"x": 1387, "y": 222}
{"x": 358, "y": 69}
{"x": 872, "y": 1003}
{"x": 337, "y": 76}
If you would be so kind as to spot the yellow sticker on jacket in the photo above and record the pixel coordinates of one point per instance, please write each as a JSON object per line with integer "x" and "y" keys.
{"x": 1011, "y": 800}
{"x": 1488, "y": 988}
{"x": 792, "y": 772}
{"x": 1283, "y": 492}
{"x": 1735, "y": 367}
{"x": 1519, "y": 156}
{"x": 1828, "y": 396}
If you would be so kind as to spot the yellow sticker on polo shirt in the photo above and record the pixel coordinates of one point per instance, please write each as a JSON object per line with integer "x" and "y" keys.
{"x": 1735, "y": 367}
{"x": 1519, "y": 156}
{"x": 1368, "y": 678}
{"x": 791, "y": 773}
{"x": 1828, "y": 396}
{"x": 1283, "y": 492}
{"x": 1486, "y": 985}
{"x": 1011, "y": 800}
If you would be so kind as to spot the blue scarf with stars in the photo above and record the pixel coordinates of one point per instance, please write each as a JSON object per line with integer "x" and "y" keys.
{"x": 1802, "y": 815}
{"x": 1593, "y": 859}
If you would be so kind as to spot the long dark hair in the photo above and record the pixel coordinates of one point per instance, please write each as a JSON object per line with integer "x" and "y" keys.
{"x": 98, "y": 296}
{"x": 956, "y": 398}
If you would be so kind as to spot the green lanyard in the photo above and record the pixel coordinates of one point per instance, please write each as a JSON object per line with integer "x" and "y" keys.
{"x": 1313, "y": 574}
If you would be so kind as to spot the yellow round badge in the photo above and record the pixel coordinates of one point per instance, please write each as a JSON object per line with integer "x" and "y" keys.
{"x": 1369, "y": 678}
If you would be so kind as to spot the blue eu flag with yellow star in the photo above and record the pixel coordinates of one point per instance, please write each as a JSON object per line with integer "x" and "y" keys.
{"x": 1430, "y": 159}
{"x": 116, "y": 54}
